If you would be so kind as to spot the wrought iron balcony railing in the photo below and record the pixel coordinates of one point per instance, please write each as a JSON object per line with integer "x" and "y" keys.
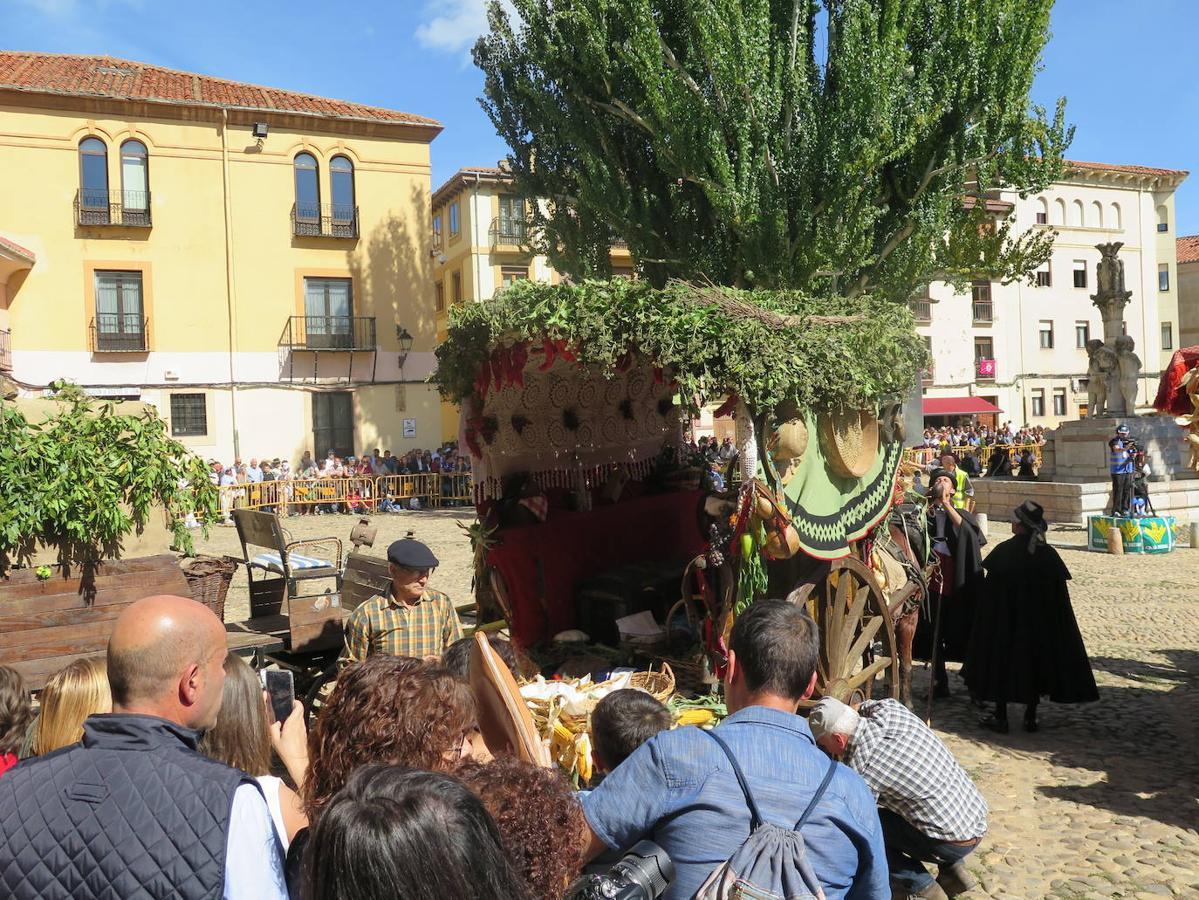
{"x": 130, "y": 209}
{"x": 984, "y": 369}
{"x": 329, "y": 333}
{"x": 922, "y": 310}
{"x": 119, "y": 333}
{"x": 331, "y": 220}
{"x": 928, "y": 376}
{"x": 983, "y": 311}
{"x": 508, "y": 231}
{"x": 5, "y": 350}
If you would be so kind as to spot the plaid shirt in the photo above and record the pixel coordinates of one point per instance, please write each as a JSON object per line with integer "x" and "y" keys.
{"x": 384, "y": 625}
{"x": 913, "y": 774}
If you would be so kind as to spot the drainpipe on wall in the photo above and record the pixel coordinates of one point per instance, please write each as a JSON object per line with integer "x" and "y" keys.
{"x": 229, "y": 305}
{"x": 478, "y": 257}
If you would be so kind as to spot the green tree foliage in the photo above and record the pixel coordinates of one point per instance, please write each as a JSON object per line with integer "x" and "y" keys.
{"x": 87, "y": 477}
{"x": 770, "y": 348}
{"x": 836, "y": 146}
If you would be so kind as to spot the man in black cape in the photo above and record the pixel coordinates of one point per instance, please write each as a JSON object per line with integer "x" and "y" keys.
{"x": 1026, "y": 643}
{"x": 954, "y": 540}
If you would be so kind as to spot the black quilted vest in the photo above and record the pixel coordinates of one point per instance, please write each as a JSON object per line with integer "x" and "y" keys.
{"x": 131, "y": 812}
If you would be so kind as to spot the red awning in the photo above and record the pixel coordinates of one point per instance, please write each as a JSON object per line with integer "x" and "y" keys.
{"x": 958, "y": 406}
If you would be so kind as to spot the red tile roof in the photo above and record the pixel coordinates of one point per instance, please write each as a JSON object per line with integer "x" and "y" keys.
{"x": 17, "y": 249}
{"x": 1135, "y": 170}
{"x": 106, "y": 76}
{"x": 1188, "y": 248}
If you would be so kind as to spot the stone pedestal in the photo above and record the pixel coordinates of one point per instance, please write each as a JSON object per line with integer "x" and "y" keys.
{"x": 1074, "y": 481}
{"x": 1079, "y": 449}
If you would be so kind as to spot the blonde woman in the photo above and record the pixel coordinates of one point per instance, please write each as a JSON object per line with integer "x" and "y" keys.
{"x": 73, "y": 693}
{"x": 242, "y": 738}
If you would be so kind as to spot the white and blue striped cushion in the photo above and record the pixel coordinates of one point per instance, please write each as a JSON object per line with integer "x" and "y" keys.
{"x": 273, "y": 562}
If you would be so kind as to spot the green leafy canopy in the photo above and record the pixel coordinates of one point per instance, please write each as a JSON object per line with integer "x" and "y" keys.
{"x": 704, "y": 336}
{"x": 87, "y": 477}
{"x": 834, "y": 146}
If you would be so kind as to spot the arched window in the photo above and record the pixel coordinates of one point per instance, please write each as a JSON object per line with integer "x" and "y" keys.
{"x": 1042, "y": 211}
{"x": 341, "y": 186}
{"x": 1076, "y": 213}
{"x": 93, "y": 181}
{"x": 1097, "y": 214}
{"x": 1163, "y": 219}
{"x": 135, "y": 183}
{"x": 1117, "y": 221}
{"x": 1059, "y": 211}
{"x": 308, "y": 190}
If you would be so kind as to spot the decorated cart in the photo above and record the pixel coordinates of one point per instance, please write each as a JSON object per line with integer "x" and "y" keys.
{"x": 596, "y": 514}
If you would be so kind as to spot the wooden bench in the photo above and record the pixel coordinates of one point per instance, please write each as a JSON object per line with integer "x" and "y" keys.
{"x": 284, "y": 576}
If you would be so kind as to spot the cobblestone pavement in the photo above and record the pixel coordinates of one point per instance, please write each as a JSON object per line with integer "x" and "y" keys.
{"x": 1102, "y": 801}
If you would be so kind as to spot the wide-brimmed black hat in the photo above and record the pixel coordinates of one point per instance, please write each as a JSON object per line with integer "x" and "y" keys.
{"x": 411, "y": 554}
{"x": 1031, "y": 514}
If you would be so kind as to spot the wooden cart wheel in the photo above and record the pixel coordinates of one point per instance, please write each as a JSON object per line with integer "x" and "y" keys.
{"x": 857, "y": 636}
{"x": 318, "y": 693}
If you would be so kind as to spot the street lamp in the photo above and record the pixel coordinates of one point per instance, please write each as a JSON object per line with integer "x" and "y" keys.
{"x": 405, "y": 341}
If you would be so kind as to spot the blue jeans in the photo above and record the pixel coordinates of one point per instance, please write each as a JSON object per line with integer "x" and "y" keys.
{"x": 908, "y": 849}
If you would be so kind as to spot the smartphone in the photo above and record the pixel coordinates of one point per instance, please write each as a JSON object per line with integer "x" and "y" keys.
{"x": 280, "y": 687}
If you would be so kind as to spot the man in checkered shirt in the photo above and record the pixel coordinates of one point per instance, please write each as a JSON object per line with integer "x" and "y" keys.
{"x": 929, "y": 808}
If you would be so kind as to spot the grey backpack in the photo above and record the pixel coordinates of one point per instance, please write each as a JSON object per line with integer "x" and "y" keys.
{"x": 772, "y": 863}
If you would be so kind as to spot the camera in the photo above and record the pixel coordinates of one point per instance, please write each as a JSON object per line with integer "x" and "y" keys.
{"x": 643, "y": 873}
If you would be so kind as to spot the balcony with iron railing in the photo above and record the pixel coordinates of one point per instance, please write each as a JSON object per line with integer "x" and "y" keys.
{"x": 922, "y": 310}
{"x": 5, "y": 350}
{"x": 324, "y": 220}
{"x": 119, "y": 333}
{"x": 438, "y": 242}
{"x": 128, "y": 209}
{"x": 980, "y": 303}
{"x": 928, "y": 375}
{"x": 984, "y": 369}
{"x": 508, "y": 232}
{"x": 329, "y": 333}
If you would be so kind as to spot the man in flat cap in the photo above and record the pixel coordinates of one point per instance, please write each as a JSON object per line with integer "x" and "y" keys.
{"x": 410, "y": 619}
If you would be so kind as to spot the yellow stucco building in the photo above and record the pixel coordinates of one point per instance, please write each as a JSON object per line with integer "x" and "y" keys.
{"x": 253, "y": 261}
{"x": 480, "y": 243}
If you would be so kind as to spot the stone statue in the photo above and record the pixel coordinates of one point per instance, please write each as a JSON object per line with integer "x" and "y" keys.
{"x": 1103, "y": 362}
{"x": 1110, "y": 295}
{"x": 1126, "y": 376}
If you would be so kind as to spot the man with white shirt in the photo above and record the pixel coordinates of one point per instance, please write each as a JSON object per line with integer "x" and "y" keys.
{"x": 157, "y": 819}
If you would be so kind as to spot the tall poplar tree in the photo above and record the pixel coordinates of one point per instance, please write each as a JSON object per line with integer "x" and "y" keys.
{"x": 836, "y": 146}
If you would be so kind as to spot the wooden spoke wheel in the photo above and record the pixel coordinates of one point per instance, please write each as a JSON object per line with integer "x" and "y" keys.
{"x": 318, "y": 693}
{"x": 857, "y": 636}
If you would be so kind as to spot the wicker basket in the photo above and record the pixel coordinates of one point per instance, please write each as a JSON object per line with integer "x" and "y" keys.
{"x": 209, "y": 578}
{"x": 658, "y": 684}
{"x": 849, "y": 441}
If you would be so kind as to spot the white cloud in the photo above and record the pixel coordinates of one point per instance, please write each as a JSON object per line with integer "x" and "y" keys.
{"x": 453, "y": 26}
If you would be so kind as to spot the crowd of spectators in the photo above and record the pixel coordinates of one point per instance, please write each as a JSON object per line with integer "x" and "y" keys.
{"x": 167, "y": 775}
{"x": 350, "y": 484}
{"x": 951, "y": 438}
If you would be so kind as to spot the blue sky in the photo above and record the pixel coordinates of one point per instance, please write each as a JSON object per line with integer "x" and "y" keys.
{"x": 1127, "y": 68}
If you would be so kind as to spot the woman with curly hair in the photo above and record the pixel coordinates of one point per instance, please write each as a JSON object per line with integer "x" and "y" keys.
{"x": 539, "y": 818}
{"x": 393, "y": 832}
{"x": 15, "y": 714}
{"x": 385, "y": 709}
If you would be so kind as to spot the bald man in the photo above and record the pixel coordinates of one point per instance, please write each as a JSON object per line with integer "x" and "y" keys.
{"x": 133, "y": 810}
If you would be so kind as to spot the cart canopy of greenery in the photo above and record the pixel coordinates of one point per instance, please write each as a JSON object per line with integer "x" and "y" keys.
{"x": 89, "y": 476}
{"x": 837, "y": 146}
{"x": 767, "y": 347}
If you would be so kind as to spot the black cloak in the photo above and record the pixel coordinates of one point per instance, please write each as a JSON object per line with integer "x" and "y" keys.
{"x": 965, "y": 543}
{"x": 1026, "y": 643}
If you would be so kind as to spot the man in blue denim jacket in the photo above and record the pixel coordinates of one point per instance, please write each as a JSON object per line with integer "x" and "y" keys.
{"x": 679, "y": 791}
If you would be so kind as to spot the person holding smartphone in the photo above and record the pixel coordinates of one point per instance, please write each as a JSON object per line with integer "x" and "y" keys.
{"x": 955, "y": 542}
{"x": 410, "y": 619}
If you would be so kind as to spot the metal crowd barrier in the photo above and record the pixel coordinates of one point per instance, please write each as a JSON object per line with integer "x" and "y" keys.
{"x": 926, "y": 456}
{"x": 358, "y": 493}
